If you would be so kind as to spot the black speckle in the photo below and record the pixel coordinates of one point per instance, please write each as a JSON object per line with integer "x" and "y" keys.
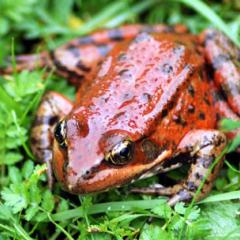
{"x": 85, "y": 40}
{"x": 191, "y": 108}
{"x": 74, "y": 51}
{"x": 206, "y": 161}
{"x": 191, "y": 90}
{"x": 191, "y": 186}
{"x": 103, "y": 49}
{"x": 164, "y": 113}
{"x": 198, "y": 176}
{"x": 179, "y": 120}
{"x": 80, "y": 65}
{"x": 122, "y": 57}
{"x": 179, "y": 49}
{"x": 115, "y": 34}
{"x": 141, "y": 37}
{"x": 206, "y": 100}
{"x": 211, "y": 35}
{"x": 219, "y": 60}
{"x": 167, "y": 68}
{"x": 201, "y": 116}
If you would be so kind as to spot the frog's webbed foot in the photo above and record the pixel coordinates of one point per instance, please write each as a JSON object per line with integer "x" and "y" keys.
{"x": 51, "y": 109}
{"x": 204, "y": 146}
{"x": 224, "y": 57}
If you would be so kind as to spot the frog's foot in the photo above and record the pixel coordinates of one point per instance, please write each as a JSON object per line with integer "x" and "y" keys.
{"x": 204, "y": 146}
{"x": 224, "y": 57}
{"x": 52, "y": 108}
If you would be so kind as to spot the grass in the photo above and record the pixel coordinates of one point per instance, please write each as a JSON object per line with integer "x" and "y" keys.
{"x": 28, "y": 210}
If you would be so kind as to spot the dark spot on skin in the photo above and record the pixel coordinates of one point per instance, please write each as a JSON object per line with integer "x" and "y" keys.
{"x": 166, "y": 68}
{"x": 184, "y": 195}
{"x": 219, "y": 60}
{"x": 201, "y": 116}
{"x": 74, "y": 51}
{"x": 115, "y": 34}
{"x": 122, "y": 57}
{"x": 191, "y": 90}
{"x": 179, "y": 49}
{"x": 217, "y": 96}
{"x": 141, "y": 37}
{"x": 191, "y": 186}
{"x": 206, "y": 100}
{"x": 206, "y": 161}
{"x": 151, "y": 150}
{"x": 82, "y": 67}
{"x": 146, "y": 97}
{"x": 179, "y": 120}
{"x": 85, "y": 40}
{"x": 198, "y": 176}
{"x": 191, "y": 108}
{"x": 103, "y": 49}
{"x": 45, "y": 120}
{"x": 211, "y": 35}
{"x": 164, "y": 113}
{"x": 123, "y": 72}
{"x": 218, "y": 116}
{"x": 72, "y": 75}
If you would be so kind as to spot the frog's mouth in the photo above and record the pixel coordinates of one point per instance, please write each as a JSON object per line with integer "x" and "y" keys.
{"x": 104, "y": 177}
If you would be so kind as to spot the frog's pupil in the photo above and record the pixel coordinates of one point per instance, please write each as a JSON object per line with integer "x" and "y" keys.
{"x": 124, "y": 152}
{"x": 60, "y": 133}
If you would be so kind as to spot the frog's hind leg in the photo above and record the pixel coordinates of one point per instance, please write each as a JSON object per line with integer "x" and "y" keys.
{"x": 81, "y": 58}
{"x": 223, "y": 110}
{"x": 224, "y": 57}
{"x": 52, "y": 108}
{"x": 204, "y": 147}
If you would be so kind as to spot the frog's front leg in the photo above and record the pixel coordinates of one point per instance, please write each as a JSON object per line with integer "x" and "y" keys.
{"x": 203, "y": 146}
{"x": 52, "y": 108}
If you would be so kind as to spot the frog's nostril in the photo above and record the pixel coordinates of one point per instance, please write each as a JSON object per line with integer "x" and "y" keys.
{"x": 60, "y": 133}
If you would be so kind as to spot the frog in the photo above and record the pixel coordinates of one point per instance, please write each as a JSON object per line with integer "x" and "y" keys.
{"x": 149, "y": 100}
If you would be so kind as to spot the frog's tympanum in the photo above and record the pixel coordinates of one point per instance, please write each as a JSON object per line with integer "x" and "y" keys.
{"x": 148, "y": 101}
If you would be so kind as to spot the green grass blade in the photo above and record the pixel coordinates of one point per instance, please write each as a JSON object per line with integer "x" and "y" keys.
{"x": 102, "y": 17}
{"x": 136, "y": 9}
{"x": 103, "y": 208}
{"x": 222, "y": 197}
{"x": 208, "y": 13}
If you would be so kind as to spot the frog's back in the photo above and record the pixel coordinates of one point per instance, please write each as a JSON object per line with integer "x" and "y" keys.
{"x": 153, "y": 82}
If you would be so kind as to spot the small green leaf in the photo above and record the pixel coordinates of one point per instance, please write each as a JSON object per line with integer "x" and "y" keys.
{"x": 15, "y": 175}
{"x": 48, "y": 201}
{"x": 15, "y": 200}
{"x": 163, "y": 210}
{"x": 27, "y": 169}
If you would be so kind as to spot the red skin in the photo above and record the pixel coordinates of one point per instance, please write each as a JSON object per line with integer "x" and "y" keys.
{"x": 154, "y": 88}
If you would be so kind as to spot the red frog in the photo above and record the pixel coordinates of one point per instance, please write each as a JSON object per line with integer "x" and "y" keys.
{"x": 148, "y": 101}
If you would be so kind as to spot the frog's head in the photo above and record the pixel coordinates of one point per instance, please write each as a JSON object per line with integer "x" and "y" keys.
{"x": 89, "y": 160}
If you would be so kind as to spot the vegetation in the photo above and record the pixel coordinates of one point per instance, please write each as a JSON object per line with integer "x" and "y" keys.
{"x": 28, "y": 210}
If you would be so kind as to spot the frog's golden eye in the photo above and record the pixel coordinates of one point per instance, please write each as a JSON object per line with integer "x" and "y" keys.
{"x": 121, "y": 153}
{"x": 60, "y": 133}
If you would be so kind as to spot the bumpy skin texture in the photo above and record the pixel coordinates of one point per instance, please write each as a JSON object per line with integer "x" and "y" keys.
{"x": 149, "y": 88}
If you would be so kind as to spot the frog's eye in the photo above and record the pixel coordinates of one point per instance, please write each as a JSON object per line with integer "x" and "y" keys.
{"x": 60, "y": 133}
{"x": 121, "y": 153}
